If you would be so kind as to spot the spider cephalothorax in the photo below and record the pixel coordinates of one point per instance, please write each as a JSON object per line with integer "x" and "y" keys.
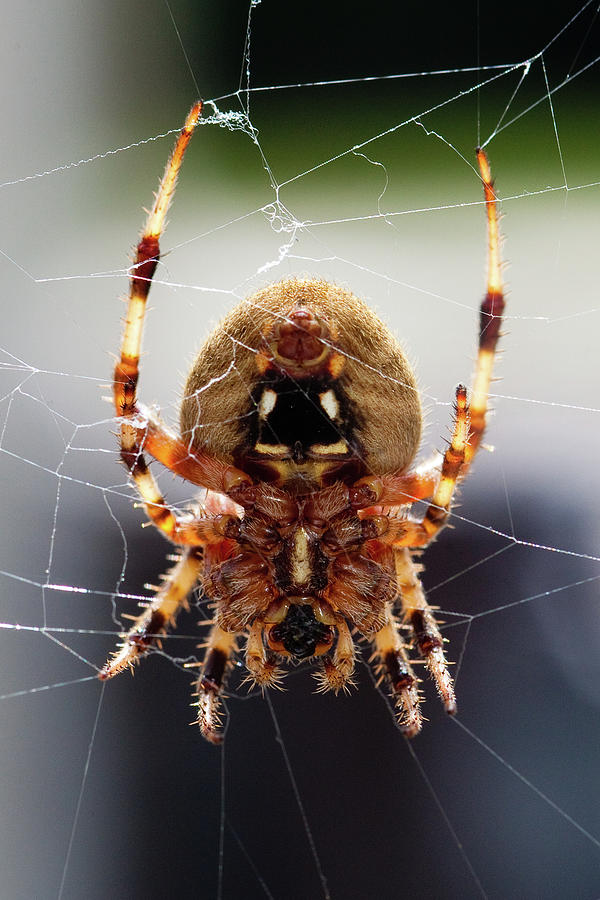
{"x": 301, "y": 421}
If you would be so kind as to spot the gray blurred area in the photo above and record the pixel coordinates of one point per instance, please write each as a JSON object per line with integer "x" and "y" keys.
{"x": 502, "y": 803}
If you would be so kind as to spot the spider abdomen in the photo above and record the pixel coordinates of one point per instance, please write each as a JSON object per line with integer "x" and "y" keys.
{"x": 302, "y": 384}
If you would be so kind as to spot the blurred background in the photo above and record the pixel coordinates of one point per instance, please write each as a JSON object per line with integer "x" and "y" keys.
{"x": 113, "y": 793}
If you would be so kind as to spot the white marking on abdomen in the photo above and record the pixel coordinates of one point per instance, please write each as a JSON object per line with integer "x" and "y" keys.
{"x": 267, "y": 402}
{"x": 330, "y": 404}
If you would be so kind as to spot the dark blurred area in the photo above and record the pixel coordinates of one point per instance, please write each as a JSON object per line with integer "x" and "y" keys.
{"x": 314, "y": 41}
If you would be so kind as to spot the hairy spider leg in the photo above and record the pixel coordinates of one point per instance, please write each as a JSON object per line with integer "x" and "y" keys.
{"x": 140, "y": 430}
{"x": 469, "y": 426}
{"x": 220, "y": 647}
{"x": 421, "y": 533}
{"x": 417, "y": 614}
{"x": 416, "y": 611}
{"x": 146, "y": 259}
{"x": 492, "y": 308}
{"x": 392, "y": 664}
{"x": 336, "y": 672}
{"x": 490, "y": 321}
{"x": 399, "y": 488}
{"x": 158, "y": 616}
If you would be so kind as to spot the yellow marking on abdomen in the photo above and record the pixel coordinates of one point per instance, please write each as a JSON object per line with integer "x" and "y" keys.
{"x": 338, "y": 447}
{"x": 272, "y": 449}
{"x": 268, "y": 399}
{"x": 330, "y": 404}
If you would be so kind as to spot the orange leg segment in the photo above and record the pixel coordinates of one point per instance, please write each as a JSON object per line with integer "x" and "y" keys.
{"x": 139, "y": 429}
{"x": 157, "y": 617}
{"x": 492, "y": 309}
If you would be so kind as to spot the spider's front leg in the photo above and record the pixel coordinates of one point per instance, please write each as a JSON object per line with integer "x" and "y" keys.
{"x": 404, "y": 487}
{"x": 139, "y": 429}
{"x": 147, "y": 256}
{"x": 490, "y": 316}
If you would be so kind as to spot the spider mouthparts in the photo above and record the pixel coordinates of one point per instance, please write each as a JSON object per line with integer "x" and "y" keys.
{"x": 300, "y": 634}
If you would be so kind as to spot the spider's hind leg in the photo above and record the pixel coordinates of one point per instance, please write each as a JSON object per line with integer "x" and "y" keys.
{"x": 148, "y": 627}
{"x": 427, "y": 637}
{"x": 392, "y": 664}
{"x": 217, "y": 660}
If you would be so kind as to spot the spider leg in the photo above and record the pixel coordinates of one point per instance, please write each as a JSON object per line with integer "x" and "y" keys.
{"x": 490, "y": 321}
{"x": 469, "y": 426}
{"x": 402, "y": 488}
{"x": 336, "y": 673}
{"x": 180, "y": 528}
{"x": 199, "y": 468}
{"x": 420, "y": 533}
{"x": 219, "y": 649}
{"x": 139, "y": 429}
{"x": 417, "y": 613}
{"x": 147, "y": 256}
{"x": 418, "y": 484}
{"x": 158, "y": 616}
{"x": 392, "y": 663}
{"x": 396, "y": 489}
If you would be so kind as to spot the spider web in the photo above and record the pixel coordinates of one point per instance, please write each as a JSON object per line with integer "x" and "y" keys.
{"x": 354, "y": 165}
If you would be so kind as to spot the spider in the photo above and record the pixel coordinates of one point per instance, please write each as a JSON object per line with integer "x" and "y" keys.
{"x": 304, "y": 449}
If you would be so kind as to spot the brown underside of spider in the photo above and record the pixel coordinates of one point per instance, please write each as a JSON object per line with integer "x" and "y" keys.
{"x": 301, "y": 420}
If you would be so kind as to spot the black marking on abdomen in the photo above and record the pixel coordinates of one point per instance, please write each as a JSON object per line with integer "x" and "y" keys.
{"x": 298, "y": 419}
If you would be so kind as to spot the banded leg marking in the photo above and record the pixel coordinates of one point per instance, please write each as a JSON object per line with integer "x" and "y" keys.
{"x": 146, "y": 260}
{"x": 393, "y": 664}
{"x": 217, "y": 660}
{"x": 419, "y": 534}
{"x": 127, "y": 368}
{"x": 491, "y": 311}
{"x": 395, "y": 488}
{"x": 160, "y": 614}
{"x": 139, "y": 429}
{"x": 417, "y": 613}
